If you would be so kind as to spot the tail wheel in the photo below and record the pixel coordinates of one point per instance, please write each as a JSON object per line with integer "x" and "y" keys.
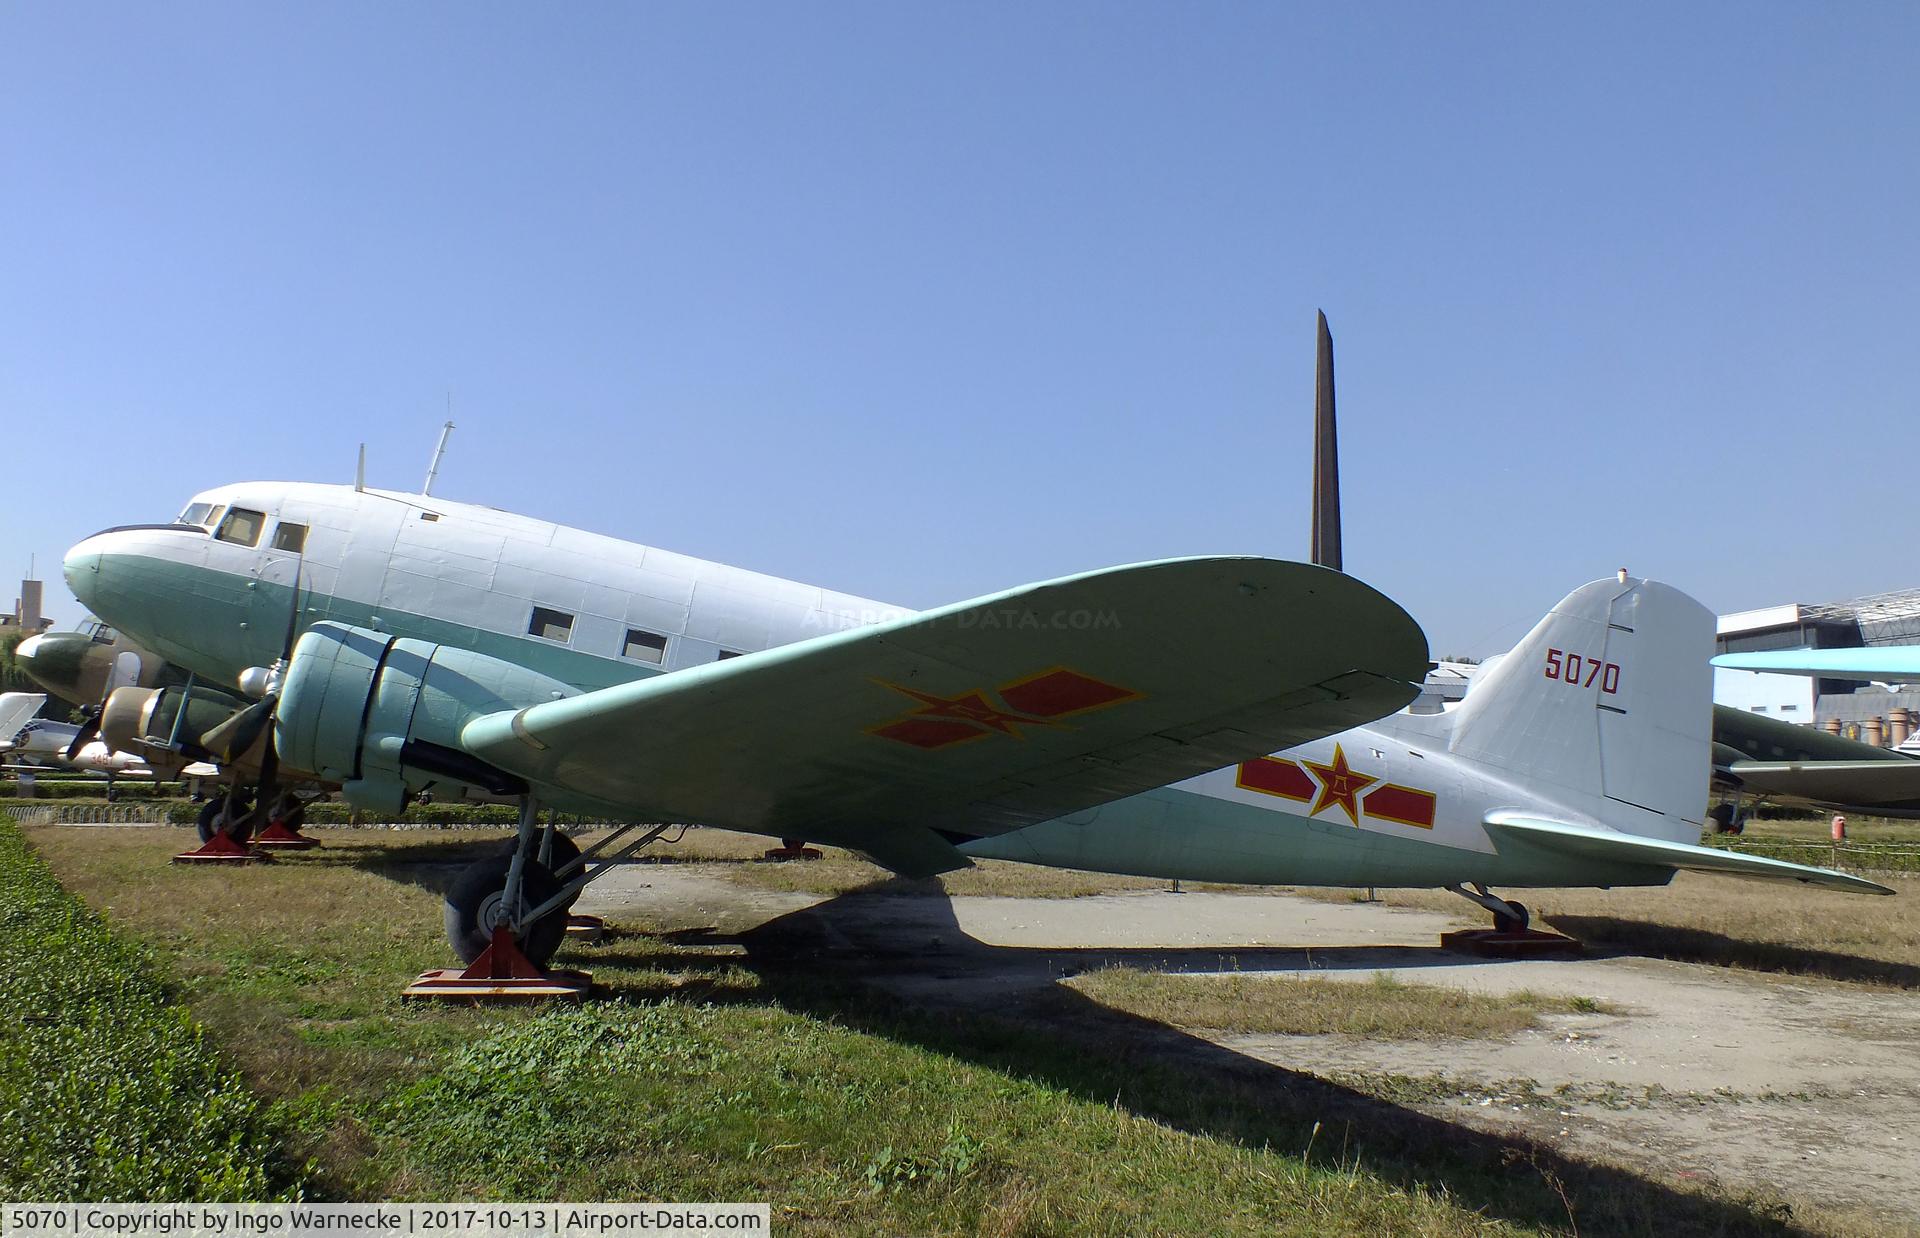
{"x": 476, "y": 905}
{"x": 1516, "y": 922}
{"x": 225, "y": 814}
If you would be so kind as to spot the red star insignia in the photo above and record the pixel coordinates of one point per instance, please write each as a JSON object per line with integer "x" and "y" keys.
{"x": 1339, "y": 785}
{"x": 969, "y": 707}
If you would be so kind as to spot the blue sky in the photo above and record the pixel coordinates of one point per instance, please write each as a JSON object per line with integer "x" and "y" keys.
{"x": 923, "y": 301}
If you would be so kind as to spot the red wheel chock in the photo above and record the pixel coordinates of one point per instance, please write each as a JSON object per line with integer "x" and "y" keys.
{"x": 1511, "y": 943}
{"x": 278, "y": 836}
{"x": 501, "y": 973}
{"x": 792, "y": 849}
{"x": 221, "y": 849}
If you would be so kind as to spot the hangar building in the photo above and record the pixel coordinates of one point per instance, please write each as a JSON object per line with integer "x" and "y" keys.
{"x": 1872, "y": 712}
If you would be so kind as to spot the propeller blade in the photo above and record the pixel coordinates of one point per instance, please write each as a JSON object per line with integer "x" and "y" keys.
{"x": 237, "y": 734}
{"x": 1326, "y": 458}
{"x": 89, "y": 730}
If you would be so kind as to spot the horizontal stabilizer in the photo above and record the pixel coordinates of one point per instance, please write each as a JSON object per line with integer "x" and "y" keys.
{"x": 1602, "y": 844}
{"x": 1881, "y": 663}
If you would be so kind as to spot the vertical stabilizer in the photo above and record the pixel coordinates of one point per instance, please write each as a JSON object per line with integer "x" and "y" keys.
{"x": 1326, "y": 458}
{"x": 1608, "y": 701}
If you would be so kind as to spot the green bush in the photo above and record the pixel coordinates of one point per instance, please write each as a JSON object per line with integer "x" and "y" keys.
{"x": 107, "y": 1090}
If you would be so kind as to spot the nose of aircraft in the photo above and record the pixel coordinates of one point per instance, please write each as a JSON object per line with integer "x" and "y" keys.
{"x": 82, "y": 568}
{"x": 57, "y": 661}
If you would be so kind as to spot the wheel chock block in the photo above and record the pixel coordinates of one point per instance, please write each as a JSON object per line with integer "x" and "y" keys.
{"x": 588, "y": 929}
{"x": 278, "y": 837}
{"x": 1503, "y": 944}
{"x": 221, "y": 849}
{"x": 448, "y": 984}
{"x": 501, "y": 973}
{"x": 782, "y": 855}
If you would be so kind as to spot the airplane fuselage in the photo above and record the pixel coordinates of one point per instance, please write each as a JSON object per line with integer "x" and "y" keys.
{"x": 1383, "y": 804}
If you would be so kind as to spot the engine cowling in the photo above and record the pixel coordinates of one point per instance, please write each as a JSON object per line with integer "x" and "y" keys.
{"x": 381, "y": 715}
{"x": 164, "y": 722}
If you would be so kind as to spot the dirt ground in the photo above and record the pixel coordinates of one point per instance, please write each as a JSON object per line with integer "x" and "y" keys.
{"x": 1763, "y": 1083}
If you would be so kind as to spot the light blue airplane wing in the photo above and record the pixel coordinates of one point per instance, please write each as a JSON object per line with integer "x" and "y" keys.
{"x": 986, "y": 716}
{"x": 1882, "y": 663}
{"x": 1594, "y": 843}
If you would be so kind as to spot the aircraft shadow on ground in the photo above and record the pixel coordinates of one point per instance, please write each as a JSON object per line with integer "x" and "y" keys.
{"x": 824, "y": 961}
{"x": 1688, "y": 945}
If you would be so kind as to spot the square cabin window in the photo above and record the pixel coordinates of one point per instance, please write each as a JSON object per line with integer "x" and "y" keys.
{"x": 290, "y": 537}
{"x": 550, "y": 624}
{"x": 242, "y": 527}
{"x": 643, "y": 646}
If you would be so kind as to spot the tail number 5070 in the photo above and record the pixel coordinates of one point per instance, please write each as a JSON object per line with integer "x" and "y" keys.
{"x": 1583, "y": 672}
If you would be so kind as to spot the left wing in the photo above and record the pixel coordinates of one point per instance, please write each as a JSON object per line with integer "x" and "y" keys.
{"x": 987, "y": 716}
{"x": 1596, "y": 843}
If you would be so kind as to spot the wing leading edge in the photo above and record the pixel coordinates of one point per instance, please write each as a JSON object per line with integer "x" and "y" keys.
{"x": 986, "y": 716}
{"x": 1602, "y": 844}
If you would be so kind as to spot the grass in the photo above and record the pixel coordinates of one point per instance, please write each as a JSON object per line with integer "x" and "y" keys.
{"x": 109, "y": 1091}
{"x": 712, "y": 1074}
{"x": 1384, "y": 1008}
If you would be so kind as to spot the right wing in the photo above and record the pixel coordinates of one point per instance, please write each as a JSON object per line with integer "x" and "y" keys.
{"x": 986, "y": 716}
{"x": 1866, "y": 785}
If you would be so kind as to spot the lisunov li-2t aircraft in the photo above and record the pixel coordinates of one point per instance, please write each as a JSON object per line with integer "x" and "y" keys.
{"x": 1213, "y": 718}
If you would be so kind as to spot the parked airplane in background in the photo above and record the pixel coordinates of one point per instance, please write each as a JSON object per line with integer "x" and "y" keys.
{"x": 1764, "y": 759}
{"x": 1122, "y": 720}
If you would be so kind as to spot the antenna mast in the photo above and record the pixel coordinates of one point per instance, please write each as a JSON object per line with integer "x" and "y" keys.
{"x": 440, "y": 449}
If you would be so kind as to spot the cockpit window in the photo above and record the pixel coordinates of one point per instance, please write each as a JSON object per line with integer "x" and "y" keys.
{"x": 242, "y": 526}
{"x": 196, "y": 513}
{"x": 104, "y": 635}
{"x": 291, "y": 537}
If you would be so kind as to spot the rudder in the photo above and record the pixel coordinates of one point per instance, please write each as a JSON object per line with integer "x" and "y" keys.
{"x": 1610, "y": 697}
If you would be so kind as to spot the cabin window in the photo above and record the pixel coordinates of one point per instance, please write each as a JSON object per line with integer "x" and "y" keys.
{"x": 550, "y": 624}
{"x": 1788, "y": 709}
{"x": 290, "y": 537}
{"x": 196, "y": 513}
{"x": 429, "y": 516}
{"x": 645, "y": 646}
{"x": 242, "y": 527}
{"x": 729, "y": 653}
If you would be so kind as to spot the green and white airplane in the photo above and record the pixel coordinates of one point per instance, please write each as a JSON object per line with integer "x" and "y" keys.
{"x": 1220, "y": 718}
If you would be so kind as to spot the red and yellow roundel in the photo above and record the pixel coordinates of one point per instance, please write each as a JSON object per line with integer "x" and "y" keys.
{"x": 1039, "y": 700}
{"x": 1326, "y": 786}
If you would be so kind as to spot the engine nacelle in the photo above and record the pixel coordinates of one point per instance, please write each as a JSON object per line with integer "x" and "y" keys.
{"x": 381, "y": 715}
{"x": 164, "y": 722}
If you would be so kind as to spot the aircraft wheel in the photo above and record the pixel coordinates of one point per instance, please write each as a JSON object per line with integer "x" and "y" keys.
{"x": 1722, "y": 817}
{"x": 224, "y": 814}
{"x": 474, "y": 905}
{"x": 1515, "y": 923}
{"x": 565, "y": 852}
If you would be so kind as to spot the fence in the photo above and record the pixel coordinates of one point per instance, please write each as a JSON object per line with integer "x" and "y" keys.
{"x": 1849, "y": 856}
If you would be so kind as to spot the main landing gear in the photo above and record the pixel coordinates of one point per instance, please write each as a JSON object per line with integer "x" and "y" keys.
{"x": 506, "y": 914}
{"x": 1510, "y": 936}
{"x": 228, "y": 822}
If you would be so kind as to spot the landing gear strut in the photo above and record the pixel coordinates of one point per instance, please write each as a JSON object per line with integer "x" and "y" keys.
{"x": 1510, "y": 936}
{"x": 506, "y": 914}
{"x": 1508, "y": 917}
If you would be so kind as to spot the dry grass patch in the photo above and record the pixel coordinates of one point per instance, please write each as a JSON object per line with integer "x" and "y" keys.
{"x": 1381, "y": 1008}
